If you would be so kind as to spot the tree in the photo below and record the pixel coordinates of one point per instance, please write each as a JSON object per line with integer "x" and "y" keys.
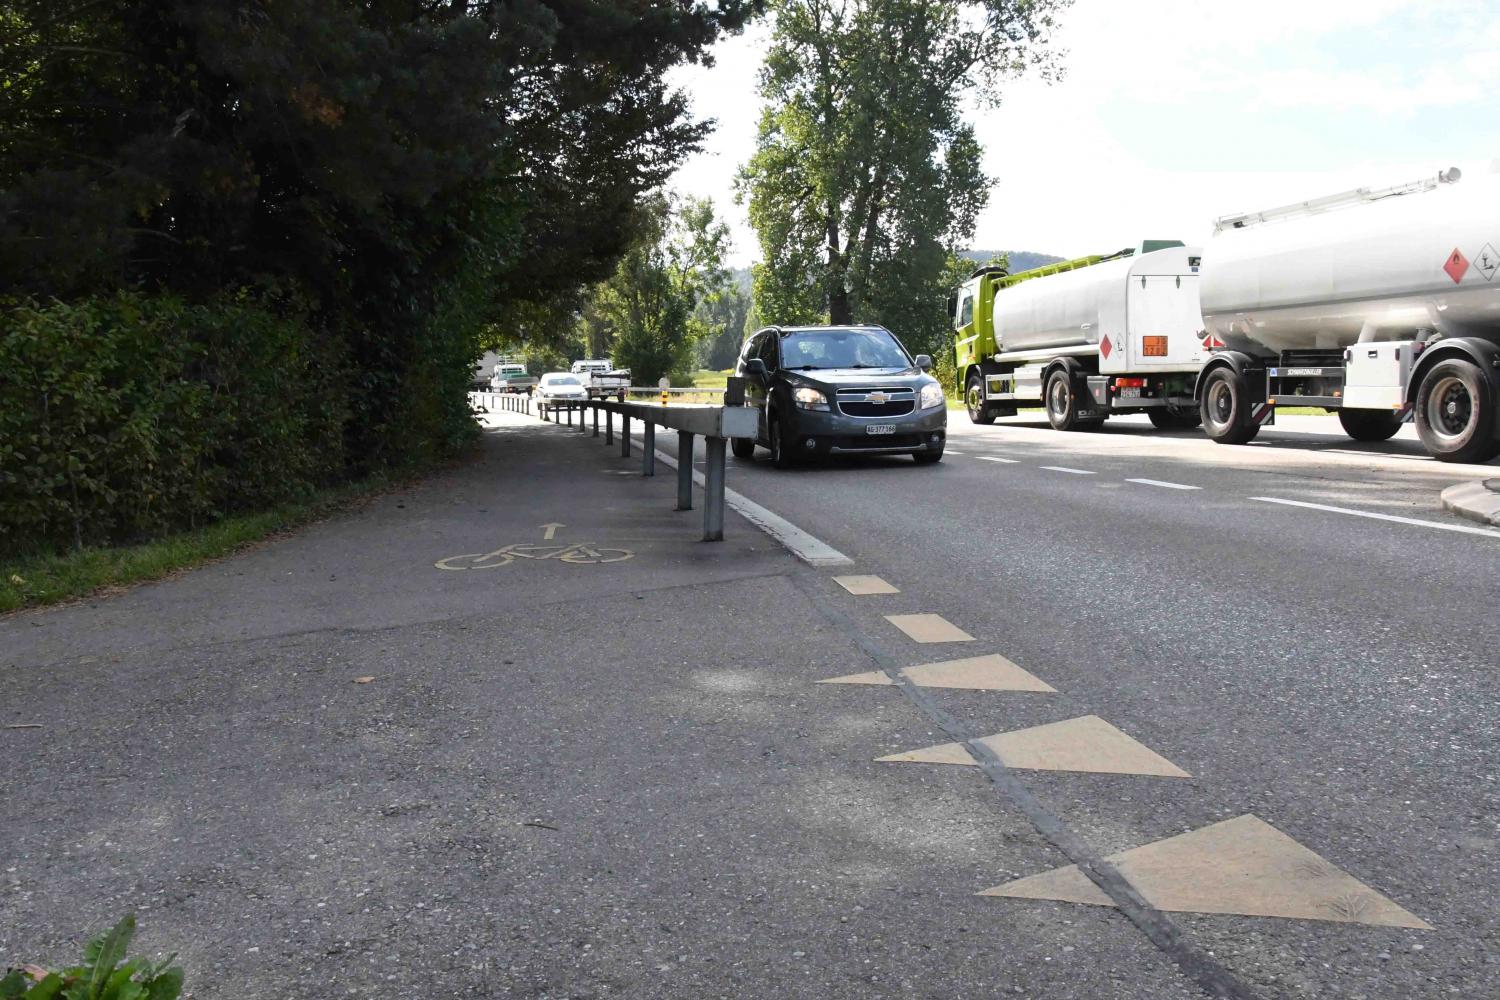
{"x": 724, "y": 316}
{"x": 411, "y": 173}
{"x": 675, "y": 262}
{"x": 866, "y": 179}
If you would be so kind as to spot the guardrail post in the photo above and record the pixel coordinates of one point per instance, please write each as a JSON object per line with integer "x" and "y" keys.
{"x": 684, "y": 470}
{"x": 595, "y": 407}
{"x": 624, "y": 434}
{"x": 609, "y": 427}
{"x": 648, "y": 450}
{"x": 713, "y": 490}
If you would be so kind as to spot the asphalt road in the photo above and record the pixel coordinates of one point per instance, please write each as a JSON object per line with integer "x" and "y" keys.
{"x": 600, "y": 764}
{"x": 1331, "y": 673}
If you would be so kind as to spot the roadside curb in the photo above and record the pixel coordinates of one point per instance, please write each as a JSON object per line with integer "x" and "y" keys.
{"x": 1479, "y": 501}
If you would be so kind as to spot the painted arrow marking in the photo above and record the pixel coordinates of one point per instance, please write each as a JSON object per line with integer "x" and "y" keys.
{"x": 550, "y": 530}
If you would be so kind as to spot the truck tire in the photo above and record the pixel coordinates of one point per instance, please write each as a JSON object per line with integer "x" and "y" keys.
{"x": 1168, "y": 419}
{"x": 1456, "y": 413}
{"x": 1061, "y": 397}
{"x": 979, "y": 411}
{"x": 1225, "y": 408}
{"x": 1370, "y": 425}
{"x": 742, "y": 447}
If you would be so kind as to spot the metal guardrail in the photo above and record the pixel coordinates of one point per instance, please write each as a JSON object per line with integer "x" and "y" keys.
{"x": 715, "y": 424}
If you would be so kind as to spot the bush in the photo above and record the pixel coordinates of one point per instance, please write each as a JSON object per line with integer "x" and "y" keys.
{"x": 105, "y": 974}
{"x": 125, "y": 417}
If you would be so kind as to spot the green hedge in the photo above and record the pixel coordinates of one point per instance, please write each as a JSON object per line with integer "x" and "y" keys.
{"x": 127, "y": 417}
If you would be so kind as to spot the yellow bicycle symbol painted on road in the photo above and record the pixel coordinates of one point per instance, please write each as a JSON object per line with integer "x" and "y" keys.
{"x": 577, "y": 554}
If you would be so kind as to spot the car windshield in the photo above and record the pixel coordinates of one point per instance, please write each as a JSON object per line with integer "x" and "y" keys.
{"x": 561, "y": 380}
{"x": 842, "y": 349}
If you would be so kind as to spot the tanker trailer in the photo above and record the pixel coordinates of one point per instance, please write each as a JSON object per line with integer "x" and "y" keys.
{"x": 1381, "y": 305}
{"x": 1117, "y": 333}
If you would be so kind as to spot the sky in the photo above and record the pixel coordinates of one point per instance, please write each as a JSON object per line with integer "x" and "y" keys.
{"x": 1173, "y": 113}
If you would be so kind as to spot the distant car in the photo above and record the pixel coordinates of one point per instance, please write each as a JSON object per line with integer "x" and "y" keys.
{"x": 557, "y": 387}
{"x": 852, "y": 390}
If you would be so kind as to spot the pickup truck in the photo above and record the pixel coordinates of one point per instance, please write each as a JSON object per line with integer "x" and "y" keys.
{"x": 601, "y": 376}
{"x": 511, "y": 377}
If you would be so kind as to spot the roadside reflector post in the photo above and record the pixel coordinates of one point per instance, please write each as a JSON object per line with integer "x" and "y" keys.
{"x": 624, "y": 434}
{"x": 684, "y": 470}
{"x": 648, "y": 450}
{"x": 713, "y": 489}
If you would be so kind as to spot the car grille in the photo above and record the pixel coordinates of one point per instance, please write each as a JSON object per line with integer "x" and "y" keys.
{"x": 886, "y": 402}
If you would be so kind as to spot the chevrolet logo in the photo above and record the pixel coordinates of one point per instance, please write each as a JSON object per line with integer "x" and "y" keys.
{"x": 877, "y": 397}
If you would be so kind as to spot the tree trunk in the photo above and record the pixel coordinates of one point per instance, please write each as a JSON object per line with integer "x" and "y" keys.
{"x": 839, "y": 311}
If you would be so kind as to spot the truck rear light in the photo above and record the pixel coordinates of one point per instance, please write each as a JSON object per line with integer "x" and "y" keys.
{"x": 1130, "y": 383}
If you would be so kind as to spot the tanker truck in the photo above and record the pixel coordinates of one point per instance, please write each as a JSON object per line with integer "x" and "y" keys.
{"x": 1086, "y": 338}
{"x": 1380, "y": 305}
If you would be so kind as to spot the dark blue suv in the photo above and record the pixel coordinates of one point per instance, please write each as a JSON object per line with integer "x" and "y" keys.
{"x": 852, "y": 390}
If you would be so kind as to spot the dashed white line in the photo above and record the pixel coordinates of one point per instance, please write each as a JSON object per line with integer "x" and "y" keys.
{"x": 1064, "y": 468}
{"x": 1461, "y": 529}
{"x": 993, "y": 458}
{"x": 1164, "y": 485}
{"x": 953, "y": 452}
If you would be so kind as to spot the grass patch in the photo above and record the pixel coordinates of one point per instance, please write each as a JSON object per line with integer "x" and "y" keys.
{"x": 705, "y": 378}
{"x": 34, "y": 581}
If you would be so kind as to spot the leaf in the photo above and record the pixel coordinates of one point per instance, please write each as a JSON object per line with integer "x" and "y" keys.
{"x": 48, "y": 988}
{"x": 363, "y": 680}
{"x": 105, "y": 952}
{"x": 165, "y": 986}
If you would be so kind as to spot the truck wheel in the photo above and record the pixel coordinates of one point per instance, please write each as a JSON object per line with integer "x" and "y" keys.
{"x": 781, "y": 457}
{"x": 1062, "y": 404}
{"x": 1168, "y": 419}
{"x": 1370, "y": 425}
{"x": 1225, "y": 408}
{"x": 979, "y": 413}
{"x": 1456, "y": 413}
{"x": 742, "y": 447}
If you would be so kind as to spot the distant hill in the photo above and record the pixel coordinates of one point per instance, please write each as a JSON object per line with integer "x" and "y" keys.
{"x": 1020, "y": 260}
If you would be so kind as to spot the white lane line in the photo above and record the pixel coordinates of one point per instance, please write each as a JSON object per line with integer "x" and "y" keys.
{"x": 1163, "y": 485}
{"x": 1064, "y": 468}
{"x": 952, "y": 452}
{"x": 1461, "y": 529}
{"x": 993, "y": 458}
{"x": 799, "y": 543}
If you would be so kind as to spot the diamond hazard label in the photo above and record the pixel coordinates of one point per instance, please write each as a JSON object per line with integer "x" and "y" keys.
{"x": 1457, "y": 265}
{"x": 1488, "y": 262}
{"x": 1105, "y": 346}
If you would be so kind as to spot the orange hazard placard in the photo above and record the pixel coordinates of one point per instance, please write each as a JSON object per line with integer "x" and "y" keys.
{"x": 1154, "y": 347}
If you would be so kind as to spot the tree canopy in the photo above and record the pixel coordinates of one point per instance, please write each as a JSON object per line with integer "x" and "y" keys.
{"x": 407, "y": 172}
{"x": 866, "y": 178}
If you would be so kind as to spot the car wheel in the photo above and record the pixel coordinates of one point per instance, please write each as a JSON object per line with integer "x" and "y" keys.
{"x": 780, "y": 456}
{"x": 742, "y": 447}
{"x": 928, "y": 457}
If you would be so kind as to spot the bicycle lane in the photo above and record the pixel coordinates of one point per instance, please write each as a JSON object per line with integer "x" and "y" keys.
{"x": 330, "y": 760}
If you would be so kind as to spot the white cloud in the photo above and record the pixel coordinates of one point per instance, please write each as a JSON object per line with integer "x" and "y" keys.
{"x": 1164, "y": 102}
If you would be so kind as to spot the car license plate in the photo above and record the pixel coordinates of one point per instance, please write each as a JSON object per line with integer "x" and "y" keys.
{"x": 1130, "y": 392}
{"x": 880, "y": 428}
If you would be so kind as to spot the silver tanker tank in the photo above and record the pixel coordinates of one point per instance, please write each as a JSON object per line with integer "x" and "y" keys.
{"x": 1397, "y": 264}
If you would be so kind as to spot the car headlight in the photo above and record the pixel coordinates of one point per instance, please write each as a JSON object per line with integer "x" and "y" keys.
{"x": 808, "y": 398}
{"x": 932, "y": 395}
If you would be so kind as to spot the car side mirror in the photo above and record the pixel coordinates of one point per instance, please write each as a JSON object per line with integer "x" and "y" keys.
{"x": 952, "y": 306}
{"x": 923, "y": 362}
{"x": 757, "y": 368}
